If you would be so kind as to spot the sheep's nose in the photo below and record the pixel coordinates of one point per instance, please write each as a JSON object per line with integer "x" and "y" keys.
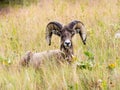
{"x": 67, "y": 43}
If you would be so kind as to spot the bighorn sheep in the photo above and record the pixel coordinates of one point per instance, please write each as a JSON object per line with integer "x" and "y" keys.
{"x": 66, "y": 47}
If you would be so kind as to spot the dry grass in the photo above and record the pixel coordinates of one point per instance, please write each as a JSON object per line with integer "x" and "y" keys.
{"x": 23, "y": 29}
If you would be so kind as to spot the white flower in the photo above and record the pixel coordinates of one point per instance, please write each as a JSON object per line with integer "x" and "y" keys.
{"x": 99, "y": 81}
{"x": 117, "y": 35}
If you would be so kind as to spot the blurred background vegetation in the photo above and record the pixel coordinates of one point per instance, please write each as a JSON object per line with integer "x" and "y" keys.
{"x": 5, "y": 3}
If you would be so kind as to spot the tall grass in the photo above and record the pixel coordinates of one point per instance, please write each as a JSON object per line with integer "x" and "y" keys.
{"x": 23, "y": 29}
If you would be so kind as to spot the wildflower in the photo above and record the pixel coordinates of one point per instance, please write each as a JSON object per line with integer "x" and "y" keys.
{"x": 99, "y": 81}
{"x": 74, "y": 58}
{"x": 111, "y": 66}
{"x": 117, "y": 35}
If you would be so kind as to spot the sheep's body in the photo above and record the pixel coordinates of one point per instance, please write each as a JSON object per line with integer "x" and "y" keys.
{"x": 36, "y": 59}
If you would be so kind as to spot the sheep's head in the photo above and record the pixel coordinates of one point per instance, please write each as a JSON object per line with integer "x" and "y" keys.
{"x": 66, "y": 33}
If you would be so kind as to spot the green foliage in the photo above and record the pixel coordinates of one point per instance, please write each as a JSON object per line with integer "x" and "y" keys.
{"x": 5, "y": 61}
{"x": 73, "y": 87}
{"x": 89, "y": 55}
{"x": 17, "y": 2}
{"x": 87, "y": 64}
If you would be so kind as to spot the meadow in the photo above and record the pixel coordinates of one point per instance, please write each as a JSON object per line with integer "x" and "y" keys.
{"x": 22, "y": 29}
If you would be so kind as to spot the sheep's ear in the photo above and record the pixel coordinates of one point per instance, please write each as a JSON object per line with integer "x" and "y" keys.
{"x": 79, "y": 27}
{"x": 53, "y": 28}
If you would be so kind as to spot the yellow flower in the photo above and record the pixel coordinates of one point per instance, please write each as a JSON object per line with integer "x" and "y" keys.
{"x": 111, "y": 66}
{"x": 74, "y": 58}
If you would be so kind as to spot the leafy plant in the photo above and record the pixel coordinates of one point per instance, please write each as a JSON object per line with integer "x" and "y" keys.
{"x": 87, "y": 64}
{"x": 5, "y": 61}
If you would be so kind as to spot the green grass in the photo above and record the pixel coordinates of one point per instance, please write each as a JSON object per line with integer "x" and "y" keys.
{"x": 23, "y": 29}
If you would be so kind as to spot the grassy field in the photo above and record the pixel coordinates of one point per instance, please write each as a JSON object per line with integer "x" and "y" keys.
{"x": 23, "y": 29}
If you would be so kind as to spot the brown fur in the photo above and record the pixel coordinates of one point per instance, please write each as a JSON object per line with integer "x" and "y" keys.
{"x": 36, "y": 59}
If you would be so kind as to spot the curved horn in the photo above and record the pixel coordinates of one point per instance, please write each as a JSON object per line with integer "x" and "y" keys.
{"x": 52, "y": 28}
{"x": 79, "y": 27}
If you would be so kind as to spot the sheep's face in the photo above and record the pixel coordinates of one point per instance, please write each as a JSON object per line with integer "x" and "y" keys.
{"x": 66, "y": 37}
